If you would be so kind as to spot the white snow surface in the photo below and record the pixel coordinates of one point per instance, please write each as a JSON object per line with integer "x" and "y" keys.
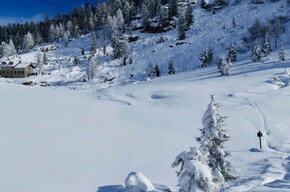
{"x": 87, "y": 136}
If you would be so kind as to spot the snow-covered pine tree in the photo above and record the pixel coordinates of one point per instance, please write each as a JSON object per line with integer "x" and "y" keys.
{"x": 76, "y": 60}
{"x": 189, "y": 15}
{"x": 83, "y": 51}
{"x": 39, "y": 61}
{"x": 256, "y": 53}
{"x": 210, "y": 55}
{"x": 44, "y": 59}
{"x": 212, "y": 141}
{"x": 173, "y": 8}
{"x": 267, "y": 45}
{"x": 181, "y": 27}
{"x": 281, "y": 54}
{"x": 145, "y": 14}
{"x": 28, "y": 42}
{"x": 171, "y": 69}
{"x": 156, "y": 71}
{"x": 52, "y": 33}
{"x": 225, "y": 67}
{"x": 94, "y": 44}
{"x": 203, "y": 59}
{"x": 104, "y": 50}
{"x": 232, "y": 53}
{"x": 130, "y": 60}
{"x": 92, "y": 68}
{"x": 120, "y": 22}
{"x": 65, "y": 39}
{"x": 194, "y": 174}
{"x": 161, "y": 40}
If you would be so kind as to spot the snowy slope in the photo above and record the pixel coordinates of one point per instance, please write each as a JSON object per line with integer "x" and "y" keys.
{"x": 88, "y": 136}
{"x": 76, "y": 141}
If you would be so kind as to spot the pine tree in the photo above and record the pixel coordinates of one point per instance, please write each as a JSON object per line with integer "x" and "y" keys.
{"x": 225, "y": 67}
{"x": 52, "y": 33}
{"x": 232, "y": 53}
{"x": 145, "y": 14}
{"x": 203, "y": 59}
{"x": 39, "y": 61}
{"x": 194, "y": 174}
{"x": 173, "y": 8}
{"x": 92, "y": 68}
{"x": 210, "y": 55}
{"x": 181, "y": 27}
{"x": 44, "y": 59}
{"x": 256, "y": 53}
{"x": 65, "y": 39}
{"x": 281, "y": 54}
{"x": 83, "y": 51}
{"x": 212, "y": 141}
{"x": 161, "y": 40}
{"x": 94, "y": 44}
{"x": 189, "y": 15}
{"x": 76, "y": 60}
{"x": 267, "y": 45}
{"x": 130, "y": 60}
{"x": 171, "y": 69}
{"x": 120, "y": 22}
{"x": 105, "y": 50}
{"x": 156, "y": 71}
{"x": 28, "y": 42}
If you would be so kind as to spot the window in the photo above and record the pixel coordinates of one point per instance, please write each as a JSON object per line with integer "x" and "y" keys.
{"x": 15, "y": 72}
{"x": 18, "y": 72}
{"x": 22, "y": 72}
{"x": 3, "y": 72}
{"x": 11, "y": 72}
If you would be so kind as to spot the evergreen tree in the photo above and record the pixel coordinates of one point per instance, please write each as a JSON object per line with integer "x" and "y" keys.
{"x": 145, "y": 14}
{"x": 171, "y": 69}
{"x": 181, "y": 27}
{"x": 105, "y": 50}
{"x": 94, "y": 44}
{"x": 225, "y": 67}
{"x": 281, "y": 54}
{"x": 65, "y": 39}
{"x": 203, "y": 59}
{"x": 39, "y": 61}
{"x": 277, "y": 29}
{"x": 156, "y": 71}
{"x": 189, "y": 15}
{"x": 232, "y": 53}
{"x": 256, "y": 53}
{"x": 76, "y": 60}
{"x": 267, "y": 45}
{"x": 92, "y": 68}
{"x": 212, "y": 141}
{"x": 83, "y": 51}
{"x": 161, "y": 40}
{"x": 210, "y": 55}
{"x": 52, "y": 33}
{"x": 120, "y": 22}
{"x": 28, "y": 42}
{"x": 194, "y": 174}
{"x": 173, "y": 8}
{"x": 44, "y": 59}
{"x": 130, "y": 60}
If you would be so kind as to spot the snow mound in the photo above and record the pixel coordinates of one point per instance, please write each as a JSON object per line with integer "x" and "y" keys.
{"x": 282, "y": 80}
{"x": 137, "y": 182}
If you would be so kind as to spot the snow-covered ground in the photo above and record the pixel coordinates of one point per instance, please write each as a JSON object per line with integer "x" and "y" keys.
{"x": 57, "y": 139}
{"x": 88, "y": 136}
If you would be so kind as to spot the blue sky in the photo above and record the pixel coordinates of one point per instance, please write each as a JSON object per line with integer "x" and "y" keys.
{"x": 19, "y": 11}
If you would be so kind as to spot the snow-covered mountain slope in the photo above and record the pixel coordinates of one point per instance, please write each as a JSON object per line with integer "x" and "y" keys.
{"x": 54, "y": 139}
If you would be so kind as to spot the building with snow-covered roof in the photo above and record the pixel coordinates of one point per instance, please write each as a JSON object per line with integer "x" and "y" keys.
{"x": 16, "y": 70}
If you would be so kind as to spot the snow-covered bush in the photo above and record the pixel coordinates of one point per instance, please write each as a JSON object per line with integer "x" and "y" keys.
{"x": 137, "y": 182}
